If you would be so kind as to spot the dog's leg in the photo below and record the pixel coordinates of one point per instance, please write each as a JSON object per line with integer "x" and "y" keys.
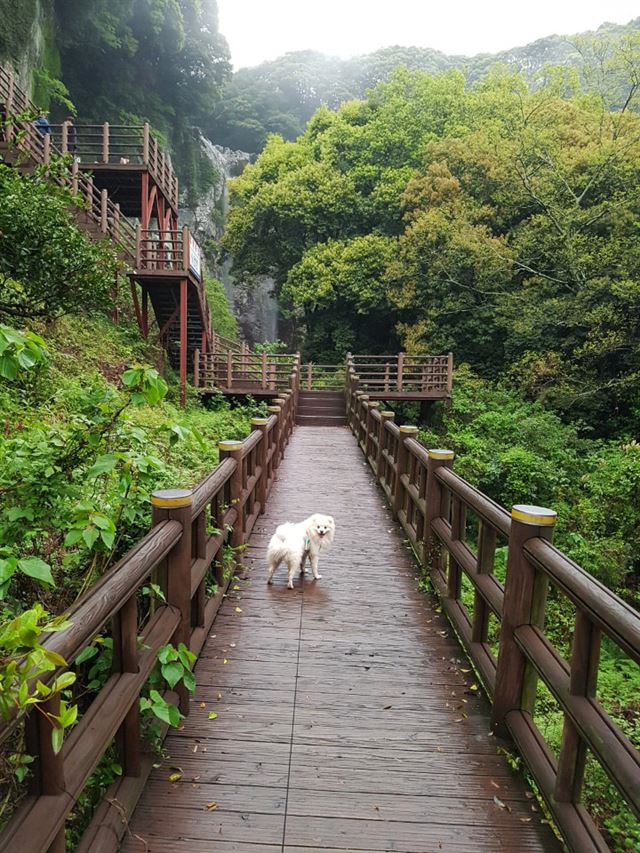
{"x": 293, "y": 566}
{"x": 314, "y": 565}
{"x": 303, "y": 568}
{"x": 272, "y": 565}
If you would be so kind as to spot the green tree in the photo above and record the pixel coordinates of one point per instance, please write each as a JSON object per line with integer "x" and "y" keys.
{"x": 48, "y": 266}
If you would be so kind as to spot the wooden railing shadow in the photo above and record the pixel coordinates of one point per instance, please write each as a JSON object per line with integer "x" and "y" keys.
{"x": 182, "y": 552}
{"x": 432, "y": 503}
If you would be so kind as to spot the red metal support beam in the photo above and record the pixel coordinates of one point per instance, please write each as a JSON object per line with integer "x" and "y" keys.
{"x": 183, "y": 342}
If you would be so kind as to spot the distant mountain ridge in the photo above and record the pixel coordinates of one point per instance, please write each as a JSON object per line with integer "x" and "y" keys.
{"x": 281, "y": 95}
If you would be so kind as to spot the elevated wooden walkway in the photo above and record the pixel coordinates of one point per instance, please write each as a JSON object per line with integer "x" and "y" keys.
{"x": 346, "y": 715}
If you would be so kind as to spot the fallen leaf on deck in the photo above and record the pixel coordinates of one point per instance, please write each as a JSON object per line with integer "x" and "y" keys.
{"x": 202, "y": 705}
{"x": 495, "y": 784}
{"x": 225, "y": 661}
{"x": 195, "y": 748}
{"x": 211, "y": 807}
{"x": 213, "y": 715}
{"x": 175, "y": 777}
{"x": 238, "y": 609}
{"x": 500, "y": 804}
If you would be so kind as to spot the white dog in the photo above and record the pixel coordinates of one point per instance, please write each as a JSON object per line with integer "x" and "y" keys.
{"x": 293, "y": 543}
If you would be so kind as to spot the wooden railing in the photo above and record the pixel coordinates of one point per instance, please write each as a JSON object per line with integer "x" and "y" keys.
{"x": 183, "y": 553}
{"x": 30, "y": 144}
{"x": 322, "y": 377}
{"x": 228, "y": 369}
{"x": 118, "y": 145}
{"x": 438, "y": 510}
{"x": 402, "y": 373}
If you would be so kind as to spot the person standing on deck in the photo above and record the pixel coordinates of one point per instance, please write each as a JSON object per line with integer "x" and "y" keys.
{"x": 42, "y": 125}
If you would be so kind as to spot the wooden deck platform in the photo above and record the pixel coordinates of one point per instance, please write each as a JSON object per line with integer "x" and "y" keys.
{"x": 346, "y": 720}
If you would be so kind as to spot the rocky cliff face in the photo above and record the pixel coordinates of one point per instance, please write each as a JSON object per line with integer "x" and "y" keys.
{"x": 255, "y": 308}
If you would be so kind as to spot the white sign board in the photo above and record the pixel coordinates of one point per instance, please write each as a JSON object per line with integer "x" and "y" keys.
{"x": 194, "y": 257}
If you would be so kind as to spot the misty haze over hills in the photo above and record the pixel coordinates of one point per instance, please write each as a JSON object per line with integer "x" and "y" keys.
{"x": 281, "y": 95}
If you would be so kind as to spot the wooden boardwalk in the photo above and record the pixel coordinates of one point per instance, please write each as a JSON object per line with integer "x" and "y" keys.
{"x": 346, "y": 719}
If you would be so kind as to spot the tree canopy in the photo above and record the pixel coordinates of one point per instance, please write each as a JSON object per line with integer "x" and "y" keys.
{"x": 494, "y": 220}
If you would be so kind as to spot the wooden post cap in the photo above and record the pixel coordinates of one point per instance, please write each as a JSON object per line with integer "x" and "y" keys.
{"x": 408, "y": 430}
{"x": 387, "y": 414}
{"x": 441, "y": 454}
{"x": 537, "y": 515}
{"x": 230, "y": 444}
{"x": 171, "y": 498}
{"x": 364, "y": 396}
{"x": 273, "y": 408}
{"x": 374, "y": 404}
{"x": 259, "y": 421}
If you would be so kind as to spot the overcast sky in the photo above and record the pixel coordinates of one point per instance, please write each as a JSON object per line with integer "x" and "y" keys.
{"x": 264, "y": 29}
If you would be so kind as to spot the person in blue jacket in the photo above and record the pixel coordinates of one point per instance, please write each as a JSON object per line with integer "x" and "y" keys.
{"x": 42, "y": 125}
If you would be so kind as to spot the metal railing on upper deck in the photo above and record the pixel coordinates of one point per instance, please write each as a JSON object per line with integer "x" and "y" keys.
{"x": 98, "y": 145}
{"x": 37, "y": 146}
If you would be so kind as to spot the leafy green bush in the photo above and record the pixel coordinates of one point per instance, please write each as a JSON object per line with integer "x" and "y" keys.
{"x": 63, "y": 270}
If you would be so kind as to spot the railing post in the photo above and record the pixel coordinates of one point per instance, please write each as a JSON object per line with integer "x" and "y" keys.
{"x": 402, "y": 467}
{"x": 449, "y": 373}
{"x": 585, "y": 656}
{"x": 175, "y": 505}
{"x": 362, "y": 401}
{"x": 277, "y": 439}
{"x": 400, "y": 371}
{"x": 263, "y": 363}
{"x": 525, "y": 595}
{"x": 368, "y": 429}
{"x": 382, "y": 435}
{"x": 196, "y": 369}
{"x": 116, "y": 223}
{"x": 434, "y": 500}
{"x": 309, "y": 376}
{"x": 64, "y": 142}
{"x": 74, "y": 177}
{"x": 185, "y": 249}
{"x": 90, "y": 194}
{"x": 233, "y": 449}
{"x": 282, "y": 417}
{"x": 261, "y": 425}
{"x": 145, "y": 143}
{"x": 138, "y": 246}
{"x": 47, "y": 148}
{"x": 229, "y": 368}
{"x": 105, "y": 142}
{"x": 104, "y": 219}
{"x": 125, "y": 659}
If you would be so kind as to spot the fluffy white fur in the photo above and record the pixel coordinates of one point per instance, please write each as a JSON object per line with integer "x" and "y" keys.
{"x": 293, "y": 543}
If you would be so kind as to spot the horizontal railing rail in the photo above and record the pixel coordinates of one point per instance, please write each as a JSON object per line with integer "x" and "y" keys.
{"x": 403, "y": 373}
{"x": 456, "y": 531}
{"x": 318, "y": 377}
{"x": 227, "y": 369}
{"x": 183, "y": 553}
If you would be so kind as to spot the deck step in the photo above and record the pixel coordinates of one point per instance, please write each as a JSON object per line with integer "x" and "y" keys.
{"x": 321, "y": 420}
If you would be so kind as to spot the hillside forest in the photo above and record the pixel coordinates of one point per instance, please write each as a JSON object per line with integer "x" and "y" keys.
{"x": 401, "y": 201}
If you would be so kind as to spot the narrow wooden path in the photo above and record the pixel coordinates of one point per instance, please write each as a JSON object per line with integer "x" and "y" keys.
{"x": 345, "y": 715}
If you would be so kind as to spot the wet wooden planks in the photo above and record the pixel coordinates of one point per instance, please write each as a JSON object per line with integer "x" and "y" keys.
{"x": 346, "y": 718}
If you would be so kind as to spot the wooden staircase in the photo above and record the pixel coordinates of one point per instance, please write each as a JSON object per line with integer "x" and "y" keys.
{"x": 321, "y": 408}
